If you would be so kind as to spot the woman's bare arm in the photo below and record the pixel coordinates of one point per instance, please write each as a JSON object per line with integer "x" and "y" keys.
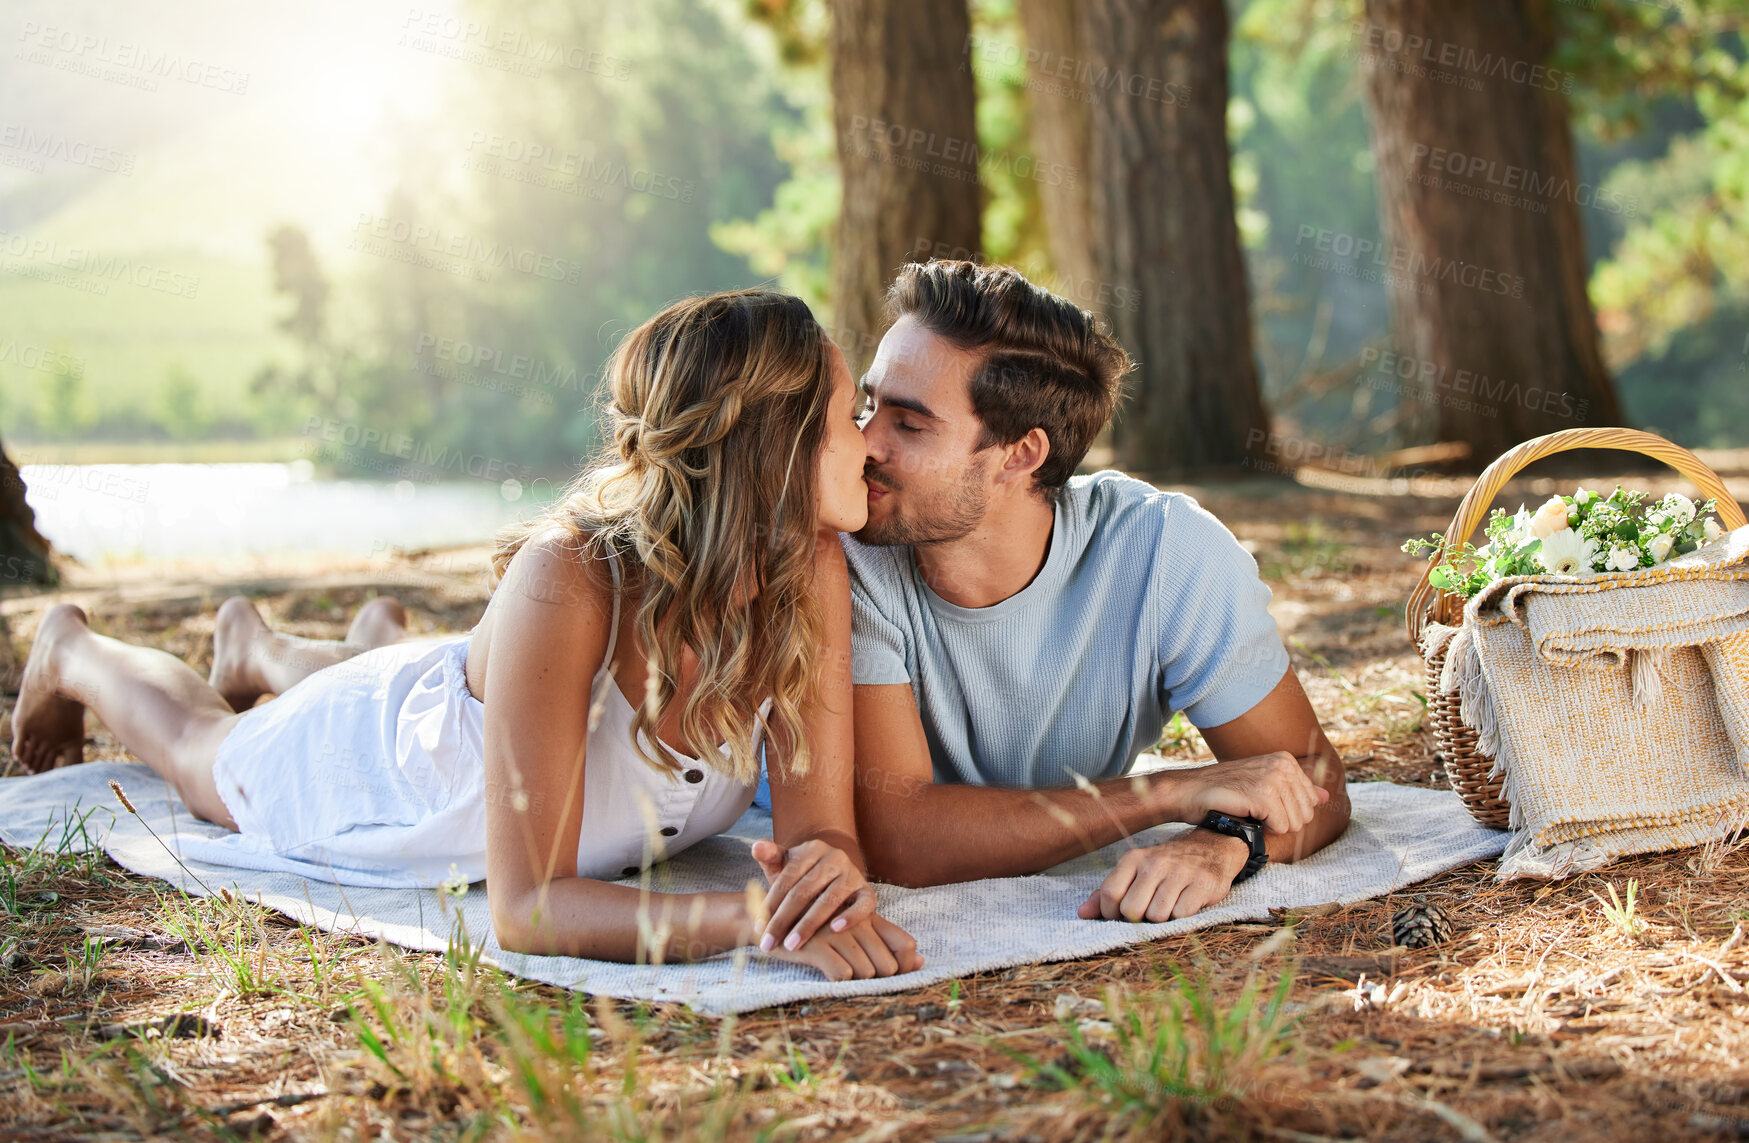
{"x": 548, "y": 635}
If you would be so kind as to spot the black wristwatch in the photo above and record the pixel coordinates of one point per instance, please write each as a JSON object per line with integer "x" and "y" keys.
{"x": 1250, "y": 829}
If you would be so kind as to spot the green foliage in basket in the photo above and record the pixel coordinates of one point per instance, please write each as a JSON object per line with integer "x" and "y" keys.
{"x": 1573, "y": 535}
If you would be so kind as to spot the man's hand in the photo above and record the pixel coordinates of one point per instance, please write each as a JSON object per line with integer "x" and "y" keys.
{"x": 1173, "y": 879}
{"x": 811, "y": 884}
{"x": 868, "y": 949}
{"x": 1272, "y": 787}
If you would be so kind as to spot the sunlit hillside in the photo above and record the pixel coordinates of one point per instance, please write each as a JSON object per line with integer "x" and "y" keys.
{"x": 144, "y": 268}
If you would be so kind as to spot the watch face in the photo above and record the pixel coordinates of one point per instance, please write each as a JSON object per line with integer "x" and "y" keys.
{"x": 1248, "y": 829}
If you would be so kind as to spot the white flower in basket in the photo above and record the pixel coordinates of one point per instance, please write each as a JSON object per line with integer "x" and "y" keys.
{"x": 1566, "y": 552}
{"x": 1679, "y": 507}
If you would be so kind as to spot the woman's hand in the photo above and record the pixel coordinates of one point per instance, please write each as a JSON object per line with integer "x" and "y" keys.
{"x": 863, "y": 951}
{"x": 811, "y": 884}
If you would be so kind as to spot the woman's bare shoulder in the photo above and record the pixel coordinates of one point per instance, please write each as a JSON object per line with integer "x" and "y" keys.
{"x": 554, "y": 592}
{"x": 557, "y": 566}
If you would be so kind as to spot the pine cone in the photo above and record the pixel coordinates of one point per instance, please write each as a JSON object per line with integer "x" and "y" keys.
{"x": 1420, "y": 924}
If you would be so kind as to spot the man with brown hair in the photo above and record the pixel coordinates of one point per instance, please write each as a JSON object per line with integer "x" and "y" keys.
{"x": 1022, "y": 634}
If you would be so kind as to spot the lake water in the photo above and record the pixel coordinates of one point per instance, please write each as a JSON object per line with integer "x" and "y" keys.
{"x": 105, "y": 512}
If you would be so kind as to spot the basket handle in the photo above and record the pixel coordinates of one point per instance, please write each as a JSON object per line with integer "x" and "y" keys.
{"x": 1426, "y": 598}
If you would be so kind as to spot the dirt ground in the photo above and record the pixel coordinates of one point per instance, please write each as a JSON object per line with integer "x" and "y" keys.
{"x": 1541, "y": 1018}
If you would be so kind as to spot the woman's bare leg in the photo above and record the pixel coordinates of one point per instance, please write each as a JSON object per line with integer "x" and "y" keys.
{"x": 250, "y": 659}
{"x": 152, "y": 701}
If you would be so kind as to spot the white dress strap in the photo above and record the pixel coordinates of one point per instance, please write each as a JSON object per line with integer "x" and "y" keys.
{"x": 612, "y": 632}
{"x": 602, "y": 685}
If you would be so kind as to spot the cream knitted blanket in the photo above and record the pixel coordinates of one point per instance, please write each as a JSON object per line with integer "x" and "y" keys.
{"x": 1615, "y": 707}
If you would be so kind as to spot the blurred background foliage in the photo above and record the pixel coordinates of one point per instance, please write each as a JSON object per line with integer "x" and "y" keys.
{"x": 700, "y": 157}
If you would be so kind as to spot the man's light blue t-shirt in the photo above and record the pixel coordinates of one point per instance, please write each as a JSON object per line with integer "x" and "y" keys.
{"x": 1146, "y": 605}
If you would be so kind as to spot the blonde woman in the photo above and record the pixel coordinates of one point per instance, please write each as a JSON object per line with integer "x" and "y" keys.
{"x": 695, "y": 569}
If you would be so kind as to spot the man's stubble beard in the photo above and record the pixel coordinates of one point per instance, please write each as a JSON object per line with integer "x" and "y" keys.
{"x": 949, "y": 515}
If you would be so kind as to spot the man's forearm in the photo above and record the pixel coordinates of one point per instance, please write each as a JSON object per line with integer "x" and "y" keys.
{"x": 927, "y": 834}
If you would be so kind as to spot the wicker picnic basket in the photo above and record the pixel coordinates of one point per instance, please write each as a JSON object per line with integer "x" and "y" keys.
{"x": 1465, "y": 766}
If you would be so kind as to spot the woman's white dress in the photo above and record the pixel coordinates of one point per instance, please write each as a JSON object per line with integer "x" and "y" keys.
{"x": 371, "y": 772}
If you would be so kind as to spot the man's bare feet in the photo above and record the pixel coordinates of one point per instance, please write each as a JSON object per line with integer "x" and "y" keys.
{"x": 235, "y": 632}
{"x": 379, "y": 622}
{"x": 48, "y": 729}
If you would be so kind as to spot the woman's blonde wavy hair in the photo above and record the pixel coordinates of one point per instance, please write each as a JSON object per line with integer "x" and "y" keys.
{"x": 705, "y": 492}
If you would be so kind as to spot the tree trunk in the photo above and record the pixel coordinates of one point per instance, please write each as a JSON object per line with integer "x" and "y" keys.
{"x": 1060, "y": 103}
{"x": 24, "y": 554}
{"x": 903, "y": 107}
{"x": 1166, "y": 243}
{"x": 1480, "y": 199}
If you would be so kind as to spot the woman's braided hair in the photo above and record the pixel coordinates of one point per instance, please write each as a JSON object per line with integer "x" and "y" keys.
{"x": 705, "y": 494}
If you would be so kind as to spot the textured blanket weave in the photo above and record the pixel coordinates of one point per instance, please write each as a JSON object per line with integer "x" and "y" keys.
{"x": 1615, "y": 707}
{"x": 1399, "y": 835}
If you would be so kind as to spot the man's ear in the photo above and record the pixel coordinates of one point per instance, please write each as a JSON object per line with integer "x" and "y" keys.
{"x": 1024, "y": 456}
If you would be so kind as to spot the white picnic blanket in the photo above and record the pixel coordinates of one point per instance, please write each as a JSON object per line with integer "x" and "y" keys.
{"x": 1399, "y": 835}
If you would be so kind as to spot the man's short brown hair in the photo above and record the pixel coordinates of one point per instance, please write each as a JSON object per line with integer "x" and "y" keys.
{"x": 1047, "y": 363}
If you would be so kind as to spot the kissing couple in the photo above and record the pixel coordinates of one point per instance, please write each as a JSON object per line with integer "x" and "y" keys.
{"x": 894, "y": 597}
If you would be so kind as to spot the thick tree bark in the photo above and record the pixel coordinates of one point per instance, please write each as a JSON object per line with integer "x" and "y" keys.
{"x": 1481, "y": 205}
{"x": 24, "y": 554}
{"x": 1166, "y": 242}
{"x": 1060, "y": 99}
{"x": 903, "y": 107}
